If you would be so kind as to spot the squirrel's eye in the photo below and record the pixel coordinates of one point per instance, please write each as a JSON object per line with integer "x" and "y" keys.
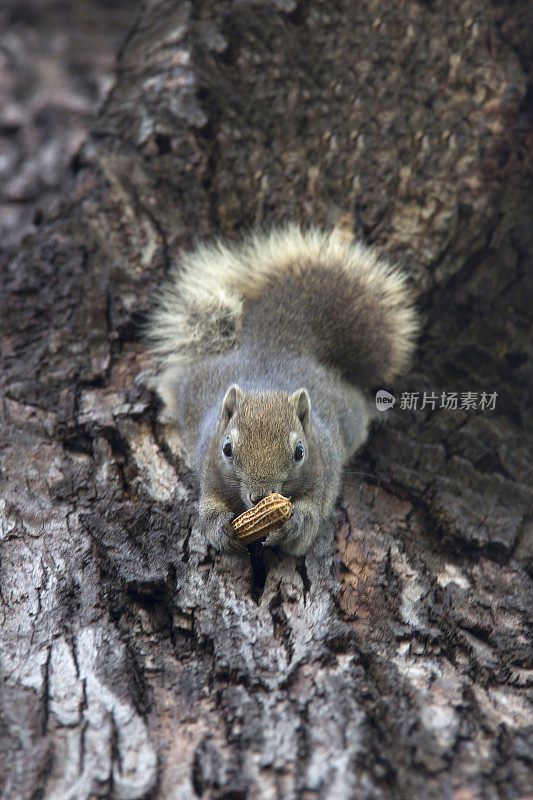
{"x": 227, "y": 448}
{"x": 299, "y": 452}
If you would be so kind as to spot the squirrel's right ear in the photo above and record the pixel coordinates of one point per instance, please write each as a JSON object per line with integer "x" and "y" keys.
{"x": 232, "y": 397}
{"x": 302, "y": 406}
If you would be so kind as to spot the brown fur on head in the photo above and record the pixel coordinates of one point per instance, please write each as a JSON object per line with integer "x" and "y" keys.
{"x": 258, "y": 437}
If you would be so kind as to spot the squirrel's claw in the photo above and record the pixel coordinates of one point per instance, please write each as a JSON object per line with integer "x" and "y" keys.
{"x": 233, "y": 541}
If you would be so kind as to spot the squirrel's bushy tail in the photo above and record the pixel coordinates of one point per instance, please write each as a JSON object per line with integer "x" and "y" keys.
{"x": 312, "y": 291}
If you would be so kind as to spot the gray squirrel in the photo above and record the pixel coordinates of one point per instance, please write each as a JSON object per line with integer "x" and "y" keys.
{"x": 263, "y": 352}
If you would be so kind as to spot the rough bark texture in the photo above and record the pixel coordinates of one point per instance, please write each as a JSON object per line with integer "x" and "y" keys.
{"x": 394, "y": 661}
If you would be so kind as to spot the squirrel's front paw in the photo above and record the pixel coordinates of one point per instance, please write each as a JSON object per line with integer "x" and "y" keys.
{"x": 295, "y": 535}
{"x": 221, "y": 535}
{"x": 289, "y": 533}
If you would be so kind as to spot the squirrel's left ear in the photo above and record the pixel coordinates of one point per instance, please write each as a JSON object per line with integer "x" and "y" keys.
{"x": 302, "y": 406}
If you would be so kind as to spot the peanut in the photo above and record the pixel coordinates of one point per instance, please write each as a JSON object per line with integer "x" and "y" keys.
{"x": 269, "y": 513}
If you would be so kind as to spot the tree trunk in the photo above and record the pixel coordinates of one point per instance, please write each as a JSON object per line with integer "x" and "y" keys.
{"x": 394, "y": 660}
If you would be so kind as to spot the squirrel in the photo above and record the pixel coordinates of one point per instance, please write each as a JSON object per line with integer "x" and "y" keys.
{"x": 264, "y": 351}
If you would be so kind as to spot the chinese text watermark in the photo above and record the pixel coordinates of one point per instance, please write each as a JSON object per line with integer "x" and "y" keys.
{"x": 450, "y": 401}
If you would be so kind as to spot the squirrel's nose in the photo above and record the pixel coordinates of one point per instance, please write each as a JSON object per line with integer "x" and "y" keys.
{"x": 255, "y": 497}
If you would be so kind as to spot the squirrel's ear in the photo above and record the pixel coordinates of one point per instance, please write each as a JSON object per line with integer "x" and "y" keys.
{"x": 302, "y": 407}
{"x": 229, "y": 404}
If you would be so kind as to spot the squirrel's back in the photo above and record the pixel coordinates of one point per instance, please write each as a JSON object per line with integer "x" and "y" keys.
{"x": 306, "y": 291}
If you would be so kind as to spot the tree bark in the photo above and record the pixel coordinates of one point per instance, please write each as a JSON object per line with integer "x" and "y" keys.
{"x": 394, "y": 660}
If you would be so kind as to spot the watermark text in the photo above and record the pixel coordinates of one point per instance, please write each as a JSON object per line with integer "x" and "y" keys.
{"x": 449, "y": 401}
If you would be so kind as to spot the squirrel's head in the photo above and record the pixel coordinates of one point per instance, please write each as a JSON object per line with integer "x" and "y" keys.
{"x": 263, "y": 442}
